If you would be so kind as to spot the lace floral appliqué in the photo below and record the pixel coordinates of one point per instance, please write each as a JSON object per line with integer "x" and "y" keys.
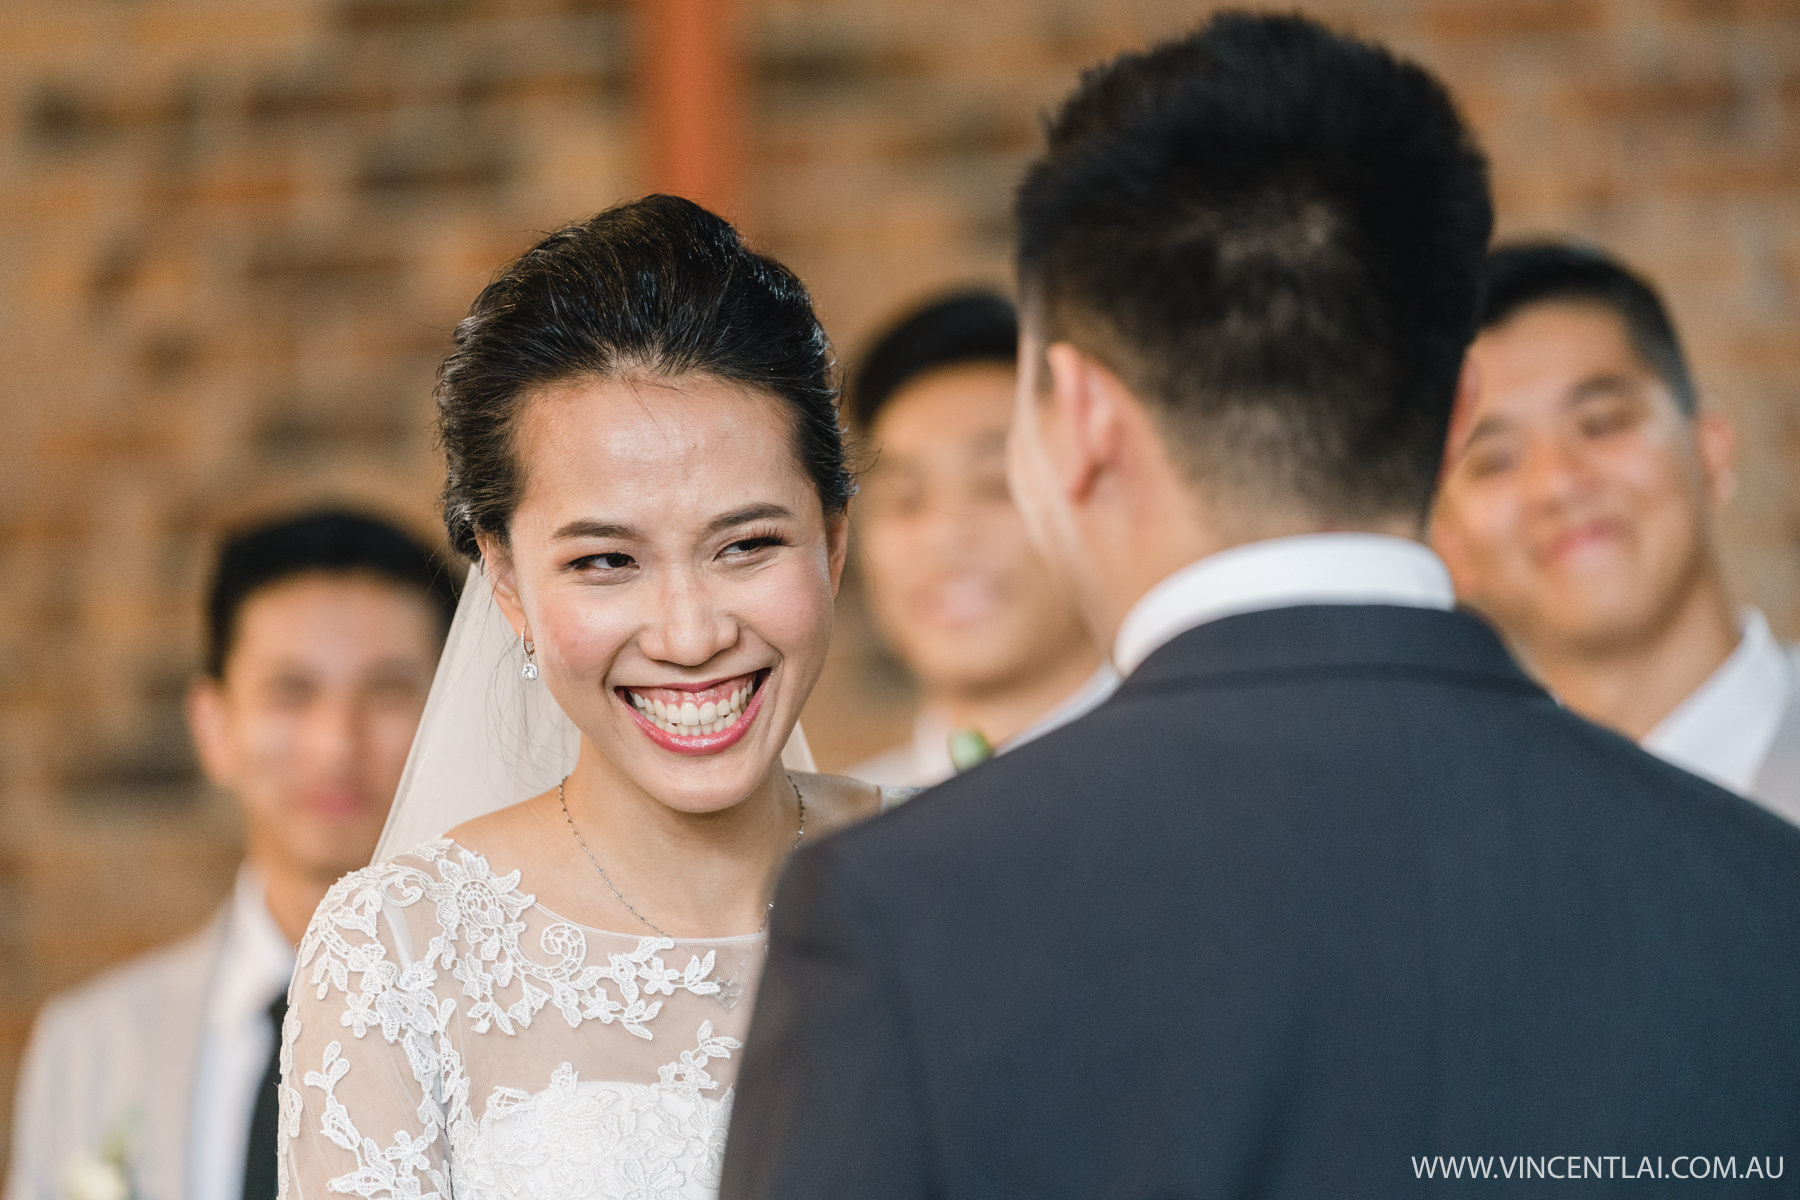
{"x": 390, "y": 1092}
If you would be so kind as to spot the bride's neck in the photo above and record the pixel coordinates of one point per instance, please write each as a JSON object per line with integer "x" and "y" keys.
{"x": 704, "y": 874}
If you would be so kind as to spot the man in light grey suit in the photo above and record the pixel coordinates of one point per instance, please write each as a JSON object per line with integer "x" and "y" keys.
{"x": 1577, "y": 515}
{"x": 323, "y": 631}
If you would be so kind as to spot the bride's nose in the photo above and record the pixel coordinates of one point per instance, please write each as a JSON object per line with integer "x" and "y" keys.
{"x": 687, "y": 625}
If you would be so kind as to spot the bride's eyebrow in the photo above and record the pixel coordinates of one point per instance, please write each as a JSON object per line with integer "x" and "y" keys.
{"x": 589, "y": 528}
{"x": 745, "y": 515}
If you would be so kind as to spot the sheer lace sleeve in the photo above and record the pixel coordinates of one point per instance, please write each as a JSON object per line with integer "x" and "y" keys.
{"x": 363, "y": 1047}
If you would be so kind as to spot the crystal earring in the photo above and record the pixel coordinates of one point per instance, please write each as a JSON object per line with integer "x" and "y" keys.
{"x": 530, "y": 669}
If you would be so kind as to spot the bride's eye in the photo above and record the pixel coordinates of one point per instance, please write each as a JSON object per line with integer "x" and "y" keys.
{"x": 606, "y": 563}
{"x": 752, "y": 547}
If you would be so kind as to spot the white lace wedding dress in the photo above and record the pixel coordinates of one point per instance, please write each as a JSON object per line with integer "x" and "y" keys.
{"x": 449, "y": 1036}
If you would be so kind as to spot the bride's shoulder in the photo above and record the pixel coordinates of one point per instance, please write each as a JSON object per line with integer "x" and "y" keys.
{"x": 386, "y": 880}
{"x": 834, "y": 801}
{"x": 401, "y": 881}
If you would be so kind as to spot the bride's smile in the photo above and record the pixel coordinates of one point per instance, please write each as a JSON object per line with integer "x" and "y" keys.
{"x": 697, "y": 718}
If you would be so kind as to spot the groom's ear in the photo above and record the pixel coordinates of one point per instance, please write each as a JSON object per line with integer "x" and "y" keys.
{"x": 1088, "y": 409}
{"x": 496, "y": 560}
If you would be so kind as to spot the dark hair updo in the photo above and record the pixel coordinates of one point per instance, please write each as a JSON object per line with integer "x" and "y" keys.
{"x": 656, "y": 287}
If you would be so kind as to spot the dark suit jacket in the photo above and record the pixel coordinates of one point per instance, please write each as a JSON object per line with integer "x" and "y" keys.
{"x": 1320, "y": 890}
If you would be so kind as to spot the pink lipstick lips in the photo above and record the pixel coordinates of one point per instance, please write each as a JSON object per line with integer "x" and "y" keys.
{"x": 698, "y": 720}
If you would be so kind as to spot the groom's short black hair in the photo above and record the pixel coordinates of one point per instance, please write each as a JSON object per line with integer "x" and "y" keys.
{"x": 331, "y": 541}
{"x": 1274, "y": 234}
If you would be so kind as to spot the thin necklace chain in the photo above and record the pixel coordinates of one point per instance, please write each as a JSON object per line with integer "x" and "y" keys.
{"x": 562, "y": 800}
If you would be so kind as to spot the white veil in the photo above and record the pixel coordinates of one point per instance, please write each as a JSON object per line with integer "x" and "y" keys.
{"x": 488, "y": 738}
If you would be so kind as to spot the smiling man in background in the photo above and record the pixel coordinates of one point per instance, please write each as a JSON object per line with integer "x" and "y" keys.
{"x": 1577, "y": 515}
{"x": 989, "y": 634}
{"x": 323, "y": 630}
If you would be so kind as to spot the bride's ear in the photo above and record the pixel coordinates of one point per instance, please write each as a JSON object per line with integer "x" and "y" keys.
{"x": 496, "y": 560}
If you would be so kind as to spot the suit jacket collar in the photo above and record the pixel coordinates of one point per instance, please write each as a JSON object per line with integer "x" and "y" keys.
{"x": 174, "y": 1054}
{"x": 1309, "y": 639}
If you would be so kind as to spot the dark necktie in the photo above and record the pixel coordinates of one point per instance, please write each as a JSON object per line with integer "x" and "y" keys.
{"x": 265, "y": 1119}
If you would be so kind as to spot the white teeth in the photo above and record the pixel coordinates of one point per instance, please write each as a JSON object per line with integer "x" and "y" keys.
{"x": 688, "y": 719}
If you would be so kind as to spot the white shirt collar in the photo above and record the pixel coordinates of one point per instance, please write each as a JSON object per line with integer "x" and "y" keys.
{"x": 926, "y": 760}
{"x": 255, "y": 962}
{"x": 932, "y": 729}
{"x": 1321, "y": 568}
{"x": 931, "y": 746}
{"x": 1724, "y": 729}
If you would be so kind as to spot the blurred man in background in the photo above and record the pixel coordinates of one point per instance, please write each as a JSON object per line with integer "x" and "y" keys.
{"x": 994, "y": 641}
{"x": 1577, "y": 515}
{"x": 322, "y": 634}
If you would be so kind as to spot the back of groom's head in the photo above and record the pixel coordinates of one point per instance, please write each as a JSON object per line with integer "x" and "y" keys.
{"x": 1273, "y": 234}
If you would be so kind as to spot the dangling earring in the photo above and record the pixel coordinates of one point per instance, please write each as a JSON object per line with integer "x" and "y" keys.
{"x": 529, "y": 670}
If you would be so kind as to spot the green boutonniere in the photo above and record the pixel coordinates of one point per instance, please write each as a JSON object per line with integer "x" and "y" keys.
{"x": 969, "y": 749}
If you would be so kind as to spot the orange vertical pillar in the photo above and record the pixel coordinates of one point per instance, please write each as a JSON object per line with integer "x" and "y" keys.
{"x": 691, "y": 86}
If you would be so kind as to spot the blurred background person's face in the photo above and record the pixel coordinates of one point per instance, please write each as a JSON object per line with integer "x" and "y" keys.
{"x": 309, "y": 725}
{"x": 1575, "y": 511}
{"x": 953, "y": 580}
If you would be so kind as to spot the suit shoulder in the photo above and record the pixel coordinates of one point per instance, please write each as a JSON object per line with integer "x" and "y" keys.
{"x": 966, "y": 813}
{"x": 175, "y": 972}
{"x": 1638, "y": 775}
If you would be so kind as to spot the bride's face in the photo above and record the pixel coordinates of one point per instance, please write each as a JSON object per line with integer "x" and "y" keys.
{"x": 671, "y": 561}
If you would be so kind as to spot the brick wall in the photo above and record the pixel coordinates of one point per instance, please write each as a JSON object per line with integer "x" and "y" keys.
{"x": 234, "y": 233}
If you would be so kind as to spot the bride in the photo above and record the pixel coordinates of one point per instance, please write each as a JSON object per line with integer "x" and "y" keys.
{"x": 645, "y": 461}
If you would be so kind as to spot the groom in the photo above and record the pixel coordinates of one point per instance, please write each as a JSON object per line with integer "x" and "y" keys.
{"x": 1329, "y": 888}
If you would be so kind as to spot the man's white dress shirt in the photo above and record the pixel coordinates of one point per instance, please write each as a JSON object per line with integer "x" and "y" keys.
{"x": 254, "y": 965}
{"x": 925, "y": 760}
{"x": 1320, "y": 568}
{"x": 1726, "y": 727}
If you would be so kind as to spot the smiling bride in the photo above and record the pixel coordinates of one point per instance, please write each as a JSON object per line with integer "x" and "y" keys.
{"x": 644, "y": 460}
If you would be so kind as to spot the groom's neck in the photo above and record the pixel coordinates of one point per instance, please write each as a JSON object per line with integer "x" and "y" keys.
{"x": 1141, "y": 542}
